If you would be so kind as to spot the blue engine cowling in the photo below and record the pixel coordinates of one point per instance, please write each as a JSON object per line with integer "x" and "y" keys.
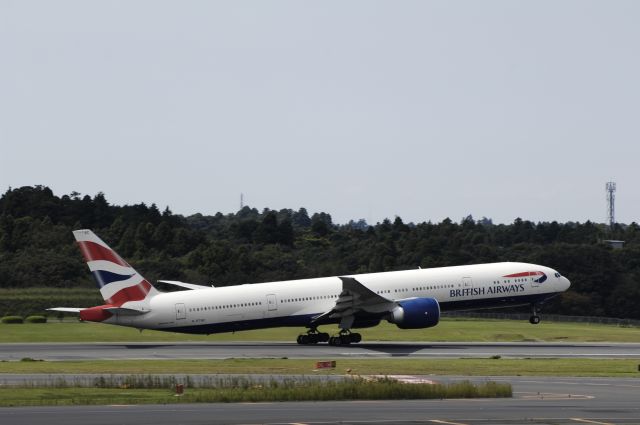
{"x": 416, "y": 313}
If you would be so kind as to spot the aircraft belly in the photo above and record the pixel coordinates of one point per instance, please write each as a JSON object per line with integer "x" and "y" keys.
{"x": 246, "y": 324}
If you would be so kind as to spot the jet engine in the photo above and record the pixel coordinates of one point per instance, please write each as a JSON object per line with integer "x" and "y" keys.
{"x": 416, "y": 313}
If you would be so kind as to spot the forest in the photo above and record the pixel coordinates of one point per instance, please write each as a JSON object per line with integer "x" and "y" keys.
{"x": 37, "y": 248}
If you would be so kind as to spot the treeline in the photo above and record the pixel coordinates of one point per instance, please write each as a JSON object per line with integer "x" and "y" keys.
{"x": 37, "y": 248}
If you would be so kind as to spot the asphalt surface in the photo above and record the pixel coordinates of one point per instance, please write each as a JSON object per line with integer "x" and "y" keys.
{"x": 213, "y": 350}
{"x": 546, "y": 400}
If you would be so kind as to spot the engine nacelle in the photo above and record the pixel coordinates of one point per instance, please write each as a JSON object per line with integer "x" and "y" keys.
{"x": 417, "y": 313}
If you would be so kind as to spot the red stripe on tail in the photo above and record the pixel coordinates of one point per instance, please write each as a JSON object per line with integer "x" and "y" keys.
{"x": 94, "y": 252}
{"x": 132, "y": 293}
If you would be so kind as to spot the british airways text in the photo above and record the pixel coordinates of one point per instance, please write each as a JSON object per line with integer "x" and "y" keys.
{"x": 473, "y": 292}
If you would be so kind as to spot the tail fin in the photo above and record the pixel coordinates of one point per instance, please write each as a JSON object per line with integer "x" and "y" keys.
{"x": 117, "y": 280}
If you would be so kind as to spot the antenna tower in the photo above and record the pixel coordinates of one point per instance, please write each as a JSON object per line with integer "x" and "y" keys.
{"x": 611, "y": 199}
{"x": 241, "y": 200}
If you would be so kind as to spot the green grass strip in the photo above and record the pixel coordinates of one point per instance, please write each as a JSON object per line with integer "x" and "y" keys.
{"x": 449, "y": 330}
{"x": 357, "y": 389}
{"x": 408, "y": 366}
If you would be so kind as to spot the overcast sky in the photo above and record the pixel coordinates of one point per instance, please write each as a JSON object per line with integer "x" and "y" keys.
{"x": 362, "y": 109}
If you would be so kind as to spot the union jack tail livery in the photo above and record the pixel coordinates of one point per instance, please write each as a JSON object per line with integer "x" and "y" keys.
{"x": 119, "y": 283}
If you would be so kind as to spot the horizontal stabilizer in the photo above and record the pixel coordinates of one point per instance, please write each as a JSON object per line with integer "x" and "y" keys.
{"x": 114, "y": 310}
{"x": 66, "y": 309}
{"x": 185, "y": 285}
{"x": 125, "y": 311}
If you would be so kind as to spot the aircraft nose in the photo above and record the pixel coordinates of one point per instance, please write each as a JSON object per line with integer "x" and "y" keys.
{"x": 566, "y": 283}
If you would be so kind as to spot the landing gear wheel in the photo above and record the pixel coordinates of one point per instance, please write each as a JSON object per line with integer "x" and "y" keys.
{"x": 335, "y": 340}
{"x": 534, "y": 319}
{"x": 345, "y": 339}
{"x": 312, "y": 337}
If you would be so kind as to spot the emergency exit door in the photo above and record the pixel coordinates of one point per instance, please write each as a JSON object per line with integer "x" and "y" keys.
{"x": 181, "y": 311}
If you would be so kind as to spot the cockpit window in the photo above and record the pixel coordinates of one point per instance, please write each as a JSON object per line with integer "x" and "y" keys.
{"x": 557, "y": 274}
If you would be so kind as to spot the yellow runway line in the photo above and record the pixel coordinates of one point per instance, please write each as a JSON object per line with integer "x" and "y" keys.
{"x": 445, "y": 422}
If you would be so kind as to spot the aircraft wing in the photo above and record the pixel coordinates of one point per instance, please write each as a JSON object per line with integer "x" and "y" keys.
{"x": 356, "y": 298}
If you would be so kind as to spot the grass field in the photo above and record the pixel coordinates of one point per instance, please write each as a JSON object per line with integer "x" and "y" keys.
{"x": 408, "y": 366}
{"x": 247, "y": 391}
{"x": 449, "y": 330}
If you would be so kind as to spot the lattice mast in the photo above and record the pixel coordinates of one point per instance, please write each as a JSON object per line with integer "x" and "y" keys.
{"x": 611, "y": 199}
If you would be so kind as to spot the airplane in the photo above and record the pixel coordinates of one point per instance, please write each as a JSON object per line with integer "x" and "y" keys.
{"x": 410, "y": 299}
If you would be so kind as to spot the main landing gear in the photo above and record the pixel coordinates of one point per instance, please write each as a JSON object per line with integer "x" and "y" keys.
{"x": 345, "y": 337}
{"x": 535, "y": 318}
{"x": 313, "y": 337}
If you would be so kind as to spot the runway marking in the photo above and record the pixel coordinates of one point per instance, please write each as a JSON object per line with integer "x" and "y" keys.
{"x": 406, "y": 379}
{"x": 590, "y": 422}
{"x": 552, "y": 396}
{"x": 438, "y": 421}
{"x": 593, "y": 384}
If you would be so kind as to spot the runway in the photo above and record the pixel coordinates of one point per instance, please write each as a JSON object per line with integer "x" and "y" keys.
{"x": 546, "y": 400}
{"x": 225, "y": 350}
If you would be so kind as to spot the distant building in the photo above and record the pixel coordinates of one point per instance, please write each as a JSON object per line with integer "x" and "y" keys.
{"x": 615, "y": 244}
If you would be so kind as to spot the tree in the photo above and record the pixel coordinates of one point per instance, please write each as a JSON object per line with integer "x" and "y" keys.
{"x": 267, "y": 231}
{"x": 253, "y": 246}
{"x": 301, "y": 218}
{"x": 319, "y": 225}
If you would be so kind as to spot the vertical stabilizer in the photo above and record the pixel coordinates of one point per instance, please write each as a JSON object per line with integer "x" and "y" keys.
{"x": 118, "y": 281}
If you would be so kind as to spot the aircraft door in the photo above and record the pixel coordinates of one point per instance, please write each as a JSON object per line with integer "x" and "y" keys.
{"x": 467, "y": 286}
{"x": 272, "y": 305}
{"x": 181, "y": 311}
{"x": 272, "y": 302}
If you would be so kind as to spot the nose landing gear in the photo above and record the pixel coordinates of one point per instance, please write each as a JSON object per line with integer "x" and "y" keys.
{"x": 535, "y": 318}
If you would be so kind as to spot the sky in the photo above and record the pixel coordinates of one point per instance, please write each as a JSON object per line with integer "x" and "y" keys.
{"x": 362, "y": 109}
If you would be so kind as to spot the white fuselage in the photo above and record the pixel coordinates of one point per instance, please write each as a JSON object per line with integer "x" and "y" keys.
{"x": 296, "y": 302}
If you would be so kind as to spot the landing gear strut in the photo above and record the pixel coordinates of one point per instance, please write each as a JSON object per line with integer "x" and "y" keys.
{"x": 312, "y": 337}
{"x": 345, "y": 337}
{"x": 535, "y": 318}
